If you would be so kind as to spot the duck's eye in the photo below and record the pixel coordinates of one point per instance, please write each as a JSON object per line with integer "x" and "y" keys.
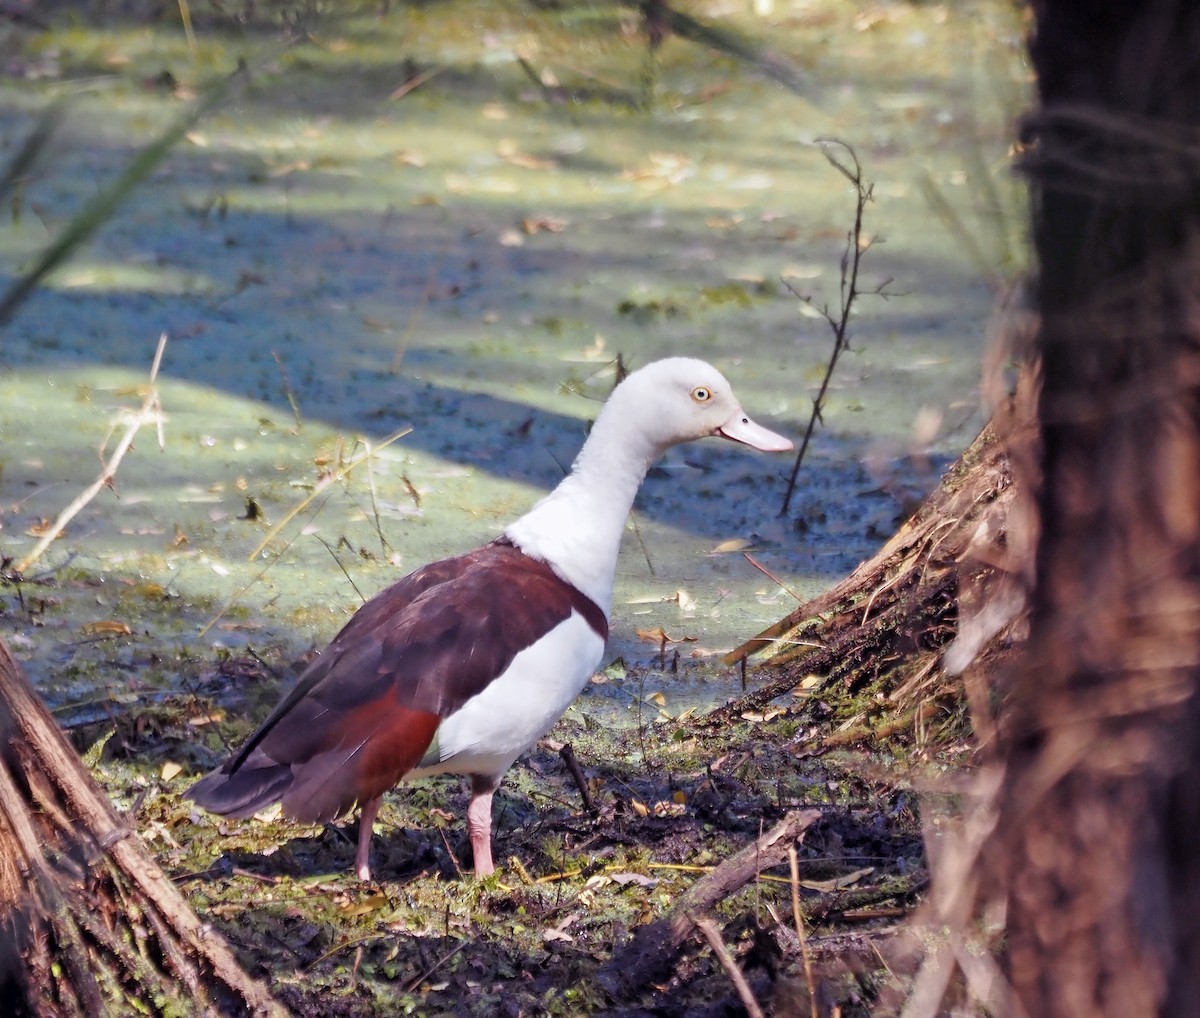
{"x": 701, "y": 394}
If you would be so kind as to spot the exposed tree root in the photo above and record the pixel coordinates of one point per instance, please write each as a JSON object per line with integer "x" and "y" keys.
{"x": 89, "y": 924}
{"x": 884, "y": 629}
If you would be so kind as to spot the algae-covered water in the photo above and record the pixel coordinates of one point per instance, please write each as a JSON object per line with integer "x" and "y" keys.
{"x": 394, "y": 226}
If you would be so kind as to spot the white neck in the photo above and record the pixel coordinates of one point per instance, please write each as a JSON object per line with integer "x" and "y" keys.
{"x": 577, "y": 528}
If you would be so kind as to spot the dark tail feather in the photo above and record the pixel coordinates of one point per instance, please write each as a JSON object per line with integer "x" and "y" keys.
{"x": 242, "y": 793}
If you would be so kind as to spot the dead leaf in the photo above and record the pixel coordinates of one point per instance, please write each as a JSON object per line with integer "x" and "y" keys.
{"x": 287, "y": 169}
{"x": 837, "y": 883}
{"x": 660, "y": 636}
{"x": 170, "y": 769}
{"x": 107, "y": 627}
{"x": 733, "y": 544}
{"x": 543, "y": 224}
{"x": 371, "y": 903}
{"x": 639, "y": 807}
{"x": 210, "y": 718}
{"x": 633, "y": 878}
{"x": 527, "y": 162}
{"x": 665, "y": 167}
{"x": 767, "y": 715}
{"x": 559, "y": 932}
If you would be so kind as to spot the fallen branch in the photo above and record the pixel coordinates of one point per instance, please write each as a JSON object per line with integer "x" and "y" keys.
{"x": 151, "y": 410}
{"x": 648, "y": 956}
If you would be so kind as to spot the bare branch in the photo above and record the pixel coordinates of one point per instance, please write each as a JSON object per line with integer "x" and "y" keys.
{"x": 844, "y": 159}
{"x": 151, "y": 410}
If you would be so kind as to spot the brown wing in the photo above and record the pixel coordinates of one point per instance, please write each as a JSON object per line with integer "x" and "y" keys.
{"x": 365, "y": 711}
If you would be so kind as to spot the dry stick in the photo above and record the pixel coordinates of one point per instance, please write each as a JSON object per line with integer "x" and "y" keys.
{"x": 730, "y": 965}
{"x": 771, "y": 576}
{"x": 238, "y": 595}
{"x": 569, "y": 758}
{"x": 856, "y": 247}
{"x": 794, "y": 864}
{"x": 151, "y": 410}
{"x": 416, "y": 82}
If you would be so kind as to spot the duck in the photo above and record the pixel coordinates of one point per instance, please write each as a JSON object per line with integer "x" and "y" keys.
{"x": 465, "y": 663}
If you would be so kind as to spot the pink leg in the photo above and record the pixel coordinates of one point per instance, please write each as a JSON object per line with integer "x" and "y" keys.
{"x": 479, "y": 824}
{"x": 362, "y": 860}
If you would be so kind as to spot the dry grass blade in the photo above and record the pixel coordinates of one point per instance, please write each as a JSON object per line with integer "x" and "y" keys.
{"x": 794, "y": 864}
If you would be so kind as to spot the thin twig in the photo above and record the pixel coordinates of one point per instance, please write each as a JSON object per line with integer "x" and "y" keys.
{"x": 771, "y": 576}
{"x": 730, "y": 965}
{"x": 415, "y": 82}
{"x": 21, "y": 164}
{"x": 856, "y": 246}
{"x": 151, "y": 410}
{"x": 342, "y": 567}
{"x": 238, "y": 595}
{"x": 104, "y": 203}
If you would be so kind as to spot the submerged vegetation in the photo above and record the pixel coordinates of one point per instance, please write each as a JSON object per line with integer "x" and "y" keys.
{"x": 453, "y": 218}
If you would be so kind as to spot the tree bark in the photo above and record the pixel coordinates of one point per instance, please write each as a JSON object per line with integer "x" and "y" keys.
{"x": 89, "y": 924}
{"x": 1099, "y": 810}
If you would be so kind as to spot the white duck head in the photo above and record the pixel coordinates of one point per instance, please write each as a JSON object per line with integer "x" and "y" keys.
{"x": 577, "y": 528}
{"x": 676, "y": 400}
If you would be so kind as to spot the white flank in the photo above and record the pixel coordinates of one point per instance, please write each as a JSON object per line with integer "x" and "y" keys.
{"x": 496, "y": 726}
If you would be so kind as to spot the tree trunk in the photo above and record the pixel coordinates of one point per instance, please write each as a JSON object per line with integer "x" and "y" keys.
{"x": 89, "y": 925}
{"x": 1099, "y": 815}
